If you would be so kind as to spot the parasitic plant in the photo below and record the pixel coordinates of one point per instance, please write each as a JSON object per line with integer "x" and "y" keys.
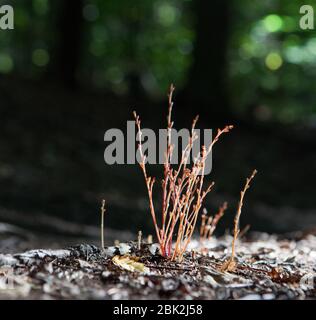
{"x": 230, "y": 264}
{"x": 183, "y": 191}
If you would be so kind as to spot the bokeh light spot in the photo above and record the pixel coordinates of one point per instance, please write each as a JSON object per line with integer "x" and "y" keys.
{"x": 6, "y": 63}
{"x": 91, "y": 12}
{"x": 273, "y": 23}
{"x": 273, "y": 61}
{"x": 294, "y": 54}
{"x": 41, "y": 7}
{"x": 185, "y": 47}
{"x": 40, "y": 57}
{"x": 115, "y": 75}
{"x": 167, "y": 14}
{"x": 97, "y": 48}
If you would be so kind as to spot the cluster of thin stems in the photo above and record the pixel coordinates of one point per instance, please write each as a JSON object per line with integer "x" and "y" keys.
{"x": 208, "y": 224}
{"x": 183, "y": 190}
{"x": 230, "y": 264}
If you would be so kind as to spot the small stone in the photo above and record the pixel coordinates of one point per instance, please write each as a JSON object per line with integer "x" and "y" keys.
{"x": 106, "y": 274}
{"x": 110, "y": 251}
{"x": 124, "y": 248}
{"x": 154, "y": 248}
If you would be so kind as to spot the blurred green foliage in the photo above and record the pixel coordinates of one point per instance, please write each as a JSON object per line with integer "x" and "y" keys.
{"x": 152, "y": 39}
{"x": 271, "y": 62}
{"x": 26, "y": 49}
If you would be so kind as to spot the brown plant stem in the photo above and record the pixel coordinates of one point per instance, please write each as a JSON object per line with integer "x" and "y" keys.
{"x": 230, "y": 265}
{"x": 102, "y": 223}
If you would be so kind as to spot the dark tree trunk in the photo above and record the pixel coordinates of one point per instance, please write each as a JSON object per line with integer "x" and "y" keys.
{"x": 206, "y": 88}
{"x": 69, "y": 37}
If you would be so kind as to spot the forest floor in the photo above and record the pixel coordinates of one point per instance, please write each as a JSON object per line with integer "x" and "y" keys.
{"x": 53, "y": 178}
{"x": 268, "y": 267}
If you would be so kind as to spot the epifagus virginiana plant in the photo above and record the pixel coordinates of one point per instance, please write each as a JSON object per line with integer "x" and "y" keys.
{"x": 102, "y": 223}
{"x": 183, "y": 190}
{"x": 230, "y": 264}
{"x": 209, "y": 223}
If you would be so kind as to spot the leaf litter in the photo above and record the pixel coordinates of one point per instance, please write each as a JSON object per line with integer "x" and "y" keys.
{"x": 267, "y": 267}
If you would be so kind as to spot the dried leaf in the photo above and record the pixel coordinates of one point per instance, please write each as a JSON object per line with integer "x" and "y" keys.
{"x": 129, "y": 263}
{"x": 229, "y": 265}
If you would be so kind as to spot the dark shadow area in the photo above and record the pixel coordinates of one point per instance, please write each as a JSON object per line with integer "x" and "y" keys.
{"x": 70, "y": 70}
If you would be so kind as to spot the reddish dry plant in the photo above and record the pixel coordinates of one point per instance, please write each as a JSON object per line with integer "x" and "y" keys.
{"x": 208, "y": 224}
{"x": 244, "y": 231}
{"x": 230, "y": 264}
{"x": 103, "y": 210}
{"x": 182, "y": 190}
